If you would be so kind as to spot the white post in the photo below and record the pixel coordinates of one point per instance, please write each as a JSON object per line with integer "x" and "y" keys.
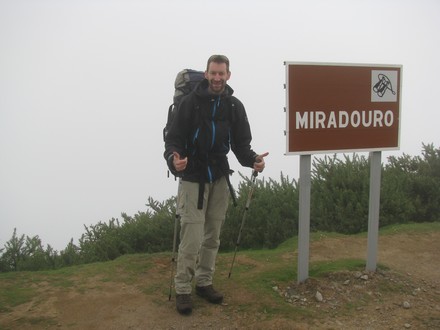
{"x": 373, "y": 212}
{"x": 304, "y": 217}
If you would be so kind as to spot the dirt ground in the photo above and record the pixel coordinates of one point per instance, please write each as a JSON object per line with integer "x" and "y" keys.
{"x": 404, "y": 295}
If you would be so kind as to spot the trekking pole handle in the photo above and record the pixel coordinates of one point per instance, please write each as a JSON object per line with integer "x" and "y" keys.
{"x": 254, "y": 177}
{"x": 255, "y": 172}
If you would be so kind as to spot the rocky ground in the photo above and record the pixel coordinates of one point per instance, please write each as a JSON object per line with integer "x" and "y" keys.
{"x": 376, "y": 300}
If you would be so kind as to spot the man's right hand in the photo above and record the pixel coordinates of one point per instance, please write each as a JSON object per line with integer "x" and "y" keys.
{"x": 179, "y": 164}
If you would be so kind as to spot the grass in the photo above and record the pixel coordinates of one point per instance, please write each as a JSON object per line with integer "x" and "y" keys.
{"x": 12, "y": 296}
{"x": 411, "y": 228}
{"x": 319, "y": 269}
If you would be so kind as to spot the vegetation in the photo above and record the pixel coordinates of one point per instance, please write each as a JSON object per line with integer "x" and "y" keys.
{"x": 410, "y": 193}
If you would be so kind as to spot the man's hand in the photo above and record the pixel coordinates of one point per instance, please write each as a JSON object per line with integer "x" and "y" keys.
{"x": 179, "y": 164}
{"x": 259, "y": 164}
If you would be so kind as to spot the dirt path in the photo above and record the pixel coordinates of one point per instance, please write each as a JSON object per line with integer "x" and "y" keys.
{"x": 407, "y": 295}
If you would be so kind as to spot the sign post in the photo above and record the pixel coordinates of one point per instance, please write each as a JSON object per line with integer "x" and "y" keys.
{"x": 333, "y": 108}
{"x": 373, "y": 211}
{"x": 304, "y": 217}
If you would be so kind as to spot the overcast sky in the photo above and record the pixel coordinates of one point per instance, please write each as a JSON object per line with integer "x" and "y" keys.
{"x": 85, "y": 86}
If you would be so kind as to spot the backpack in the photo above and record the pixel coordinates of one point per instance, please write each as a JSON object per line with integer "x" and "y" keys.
{"x": 185, "y": 83}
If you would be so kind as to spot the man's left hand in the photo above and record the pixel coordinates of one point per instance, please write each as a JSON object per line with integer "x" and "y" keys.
{"x": 259, "y": 164}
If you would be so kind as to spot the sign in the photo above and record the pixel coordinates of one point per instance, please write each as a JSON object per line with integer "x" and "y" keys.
{"x": 342, "y": 107}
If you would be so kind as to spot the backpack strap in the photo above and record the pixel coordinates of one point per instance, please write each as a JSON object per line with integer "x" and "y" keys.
{"x": 202, "y": 191}
{"x": 231, "y": 189}
{"x": 169, "y": 120}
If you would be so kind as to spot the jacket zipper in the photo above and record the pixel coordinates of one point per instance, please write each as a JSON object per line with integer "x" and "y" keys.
{"x": 214, "y": 110}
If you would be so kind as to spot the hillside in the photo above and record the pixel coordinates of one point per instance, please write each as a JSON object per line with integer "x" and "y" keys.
{"x": 131, "y": 292}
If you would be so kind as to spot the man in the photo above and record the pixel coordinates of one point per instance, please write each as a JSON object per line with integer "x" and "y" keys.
{"x": 208, "y": 123}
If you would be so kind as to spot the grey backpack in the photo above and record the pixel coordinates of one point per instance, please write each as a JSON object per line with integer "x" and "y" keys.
{"x": 186, "y": 81}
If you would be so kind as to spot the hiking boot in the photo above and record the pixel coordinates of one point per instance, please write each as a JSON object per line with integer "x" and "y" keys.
{"x": 209, "y": 294}
{"x": 184, "y": 303}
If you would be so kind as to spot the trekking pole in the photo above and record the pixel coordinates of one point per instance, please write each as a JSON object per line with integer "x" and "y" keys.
{"x": 248, "y": 202}
{"x": 173, "y": 258}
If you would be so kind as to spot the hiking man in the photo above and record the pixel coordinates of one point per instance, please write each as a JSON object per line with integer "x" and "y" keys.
{"x": 208, "y": 123}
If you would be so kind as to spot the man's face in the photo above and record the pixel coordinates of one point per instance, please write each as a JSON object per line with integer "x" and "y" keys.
{"x": 217, "y": 77}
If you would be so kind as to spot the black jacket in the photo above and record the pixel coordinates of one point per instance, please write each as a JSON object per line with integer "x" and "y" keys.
{"x": 204, "y": 129}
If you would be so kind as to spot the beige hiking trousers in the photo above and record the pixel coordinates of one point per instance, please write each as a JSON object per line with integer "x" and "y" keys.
{"x": 199, "y": 232}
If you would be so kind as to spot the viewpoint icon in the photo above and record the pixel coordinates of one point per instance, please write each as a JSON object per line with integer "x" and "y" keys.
{"x": 384, "y": 86}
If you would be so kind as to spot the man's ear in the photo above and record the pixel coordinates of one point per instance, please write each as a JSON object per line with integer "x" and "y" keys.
{"x": 228, "y": 76}
{"x": 206, "y": 74}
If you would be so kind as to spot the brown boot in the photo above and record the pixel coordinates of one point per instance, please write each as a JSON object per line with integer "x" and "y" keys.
{"x": 209, "y": 294}
{"x": 184, "y": 303}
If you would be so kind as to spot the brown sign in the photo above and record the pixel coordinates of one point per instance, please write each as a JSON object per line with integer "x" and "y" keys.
{"x": 342, "y": 108}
